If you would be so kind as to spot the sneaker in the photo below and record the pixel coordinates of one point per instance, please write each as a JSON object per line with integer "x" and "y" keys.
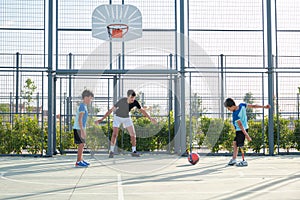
{"x": 232, "y": 162}
{"x": 111, "y": 154}
{"x": 85, "y": 162}
{"x": 135, "y": 154}
{"x": 80, "y": 164}
{"x": 243, "y": 163}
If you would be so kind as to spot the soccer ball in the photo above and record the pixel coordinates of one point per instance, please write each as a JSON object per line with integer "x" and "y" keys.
{"x": 193, "y": 158}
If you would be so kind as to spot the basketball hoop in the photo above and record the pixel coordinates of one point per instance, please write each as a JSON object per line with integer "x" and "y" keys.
{"x": 117, "y": 23}
{"x": 117, "y": 30}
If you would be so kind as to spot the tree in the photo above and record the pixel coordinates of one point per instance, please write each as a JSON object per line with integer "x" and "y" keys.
{"x": 196, "y": 106}
{"x": 27, "y": 93}
{"x": 249, "y": 99}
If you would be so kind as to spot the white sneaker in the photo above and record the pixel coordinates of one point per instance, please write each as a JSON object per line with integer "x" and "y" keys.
{"x": 232, "y": 162}
{"x": 243, "y": 163}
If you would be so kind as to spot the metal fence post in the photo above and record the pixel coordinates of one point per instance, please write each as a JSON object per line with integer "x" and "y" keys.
{"x": 70, "y": 94}
{"x": 222, "y": 86}
{"x": 182, "y": 80}
{"x": 17, "y": 81}
{"x": 270, "y": 79}
{"x": 170, "y": 97}
{"x": 50, "y": 79}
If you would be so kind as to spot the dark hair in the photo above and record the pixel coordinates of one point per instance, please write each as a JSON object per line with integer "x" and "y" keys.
{"x": 131, "y": 93}
{"x": 229, "y": 102}
{"x": 87, "y": 93}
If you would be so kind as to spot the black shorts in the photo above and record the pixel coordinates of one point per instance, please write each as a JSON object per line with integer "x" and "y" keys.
{"x": 77, "y": 137}
{"x": 240, "y": 138}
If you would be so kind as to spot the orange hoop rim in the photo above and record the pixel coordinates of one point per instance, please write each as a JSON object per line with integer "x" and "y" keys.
{"x": 117, "y": 26}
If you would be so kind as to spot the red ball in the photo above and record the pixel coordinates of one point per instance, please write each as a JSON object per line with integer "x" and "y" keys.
{"x": 193, "y": 158}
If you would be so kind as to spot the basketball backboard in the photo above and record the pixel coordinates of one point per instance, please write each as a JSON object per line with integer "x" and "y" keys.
{"x": 117, "y": 23}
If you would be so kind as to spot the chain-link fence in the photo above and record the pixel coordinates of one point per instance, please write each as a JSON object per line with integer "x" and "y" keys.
{"x": 225, "y": 55}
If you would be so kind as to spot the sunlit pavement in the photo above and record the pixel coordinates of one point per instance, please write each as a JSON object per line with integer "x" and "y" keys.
{"x": 151, "y": 176}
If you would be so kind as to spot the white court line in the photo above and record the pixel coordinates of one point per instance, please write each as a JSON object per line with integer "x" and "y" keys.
{"x": 120, "y": 188}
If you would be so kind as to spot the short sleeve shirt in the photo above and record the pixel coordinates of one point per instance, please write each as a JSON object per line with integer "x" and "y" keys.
{"x": 123, "y": 107}
{"x": 82, "y": 108}
{"x": 241, "y": 115}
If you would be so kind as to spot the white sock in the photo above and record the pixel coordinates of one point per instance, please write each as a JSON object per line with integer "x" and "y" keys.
{"x": 112, "y": 148}
{"x": 133, "y": 148}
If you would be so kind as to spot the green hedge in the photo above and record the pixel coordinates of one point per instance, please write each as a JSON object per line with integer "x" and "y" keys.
{"x": 215, "y": 134}
{"x": 25, "y": 133}
{"x": 297, "y": 134}
{"x": 287, "y": 137}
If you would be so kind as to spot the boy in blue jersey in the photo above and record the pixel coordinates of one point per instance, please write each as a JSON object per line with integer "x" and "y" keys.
{"x": 79, "y": 127}
{"x": 239, "y": 120}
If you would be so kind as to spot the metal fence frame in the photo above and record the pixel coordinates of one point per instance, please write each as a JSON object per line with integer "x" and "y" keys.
{"x": 50, "y": 70}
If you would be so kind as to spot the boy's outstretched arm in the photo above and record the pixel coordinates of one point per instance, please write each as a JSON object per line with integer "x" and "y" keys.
{"x": 258, "y": 106}
{"x": 106, "y": 115}
{"x": 148, "y": 116}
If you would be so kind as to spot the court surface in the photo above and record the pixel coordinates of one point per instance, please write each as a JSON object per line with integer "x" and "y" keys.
{"x": 149, "y": 177}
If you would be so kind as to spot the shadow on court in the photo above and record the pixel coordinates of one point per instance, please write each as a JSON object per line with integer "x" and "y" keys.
{"x": 149, "y": 177}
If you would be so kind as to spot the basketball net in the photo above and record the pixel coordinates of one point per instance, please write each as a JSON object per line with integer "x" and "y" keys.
{"x": 117, "y": 30}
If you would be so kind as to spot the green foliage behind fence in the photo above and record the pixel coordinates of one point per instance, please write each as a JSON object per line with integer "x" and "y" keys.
{"x": 23, "y": 134}
{"x": 26, "y": 135}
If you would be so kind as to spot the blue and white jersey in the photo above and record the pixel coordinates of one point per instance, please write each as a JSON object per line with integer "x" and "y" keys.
{"x": 241, "y": 115}
{"x": 82, "y": 108}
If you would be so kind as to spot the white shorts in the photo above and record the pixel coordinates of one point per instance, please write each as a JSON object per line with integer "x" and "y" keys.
{"x": 120, "y": 120}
